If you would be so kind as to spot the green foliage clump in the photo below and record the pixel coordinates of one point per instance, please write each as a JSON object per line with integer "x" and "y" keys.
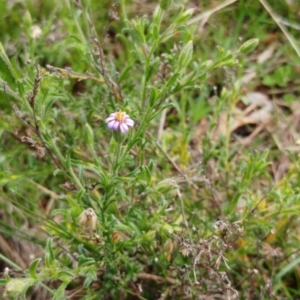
{"x": 162, "y": 210}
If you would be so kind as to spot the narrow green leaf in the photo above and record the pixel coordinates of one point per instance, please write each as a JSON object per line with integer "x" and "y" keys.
{"x": 60, "y": 292}
{"x": 33, "y": 267}
{"x": 49, "y": 252}
{"x": 249, "y": 46}
{"x": 185, "y": 55}
{"x": 6, "y": 68}
{"x": 84, "y": 261}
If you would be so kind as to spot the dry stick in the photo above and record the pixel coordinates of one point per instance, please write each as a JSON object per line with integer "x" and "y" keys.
{"x": 247, "y": 141}
{"x": 134, "y": 294}
{"x": 286, "y": 257}
{"x": 44, "y": 190}
{"x": 53, "y": 196}
{"x": 77, "y": 291}
{"x": 196, "y": 259}
{"x": 279, "y": 23}
{"x": 72, "y": 74}
{"x": 143, "y": 275}
{"x": 247, "y": 277}
{"x": 206, "y": 15}
{"x": 289, "y": 89}
{"x": 290, "y": 24}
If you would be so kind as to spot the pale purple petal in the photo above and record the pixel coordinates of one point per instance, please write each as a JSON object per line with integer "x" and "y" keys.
{"x": 129, "y": 122}
{"x": 123, "y": 127}
{"x": 109, "y": 119}
{"x": 113, "y": 125}
{"x": 110, "y": 124}
{"x": 116, "y": 125}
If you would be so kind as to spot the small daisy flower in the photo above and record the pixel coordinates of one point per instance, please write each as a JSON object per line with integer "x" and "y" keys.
{"x": 119, "y": 121}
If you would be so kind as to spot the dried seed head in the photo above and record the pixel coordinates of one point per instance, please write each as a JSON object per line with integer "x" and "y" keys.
{"x": 68, "y": 186}
{"x": 269, "y": 251}
{"x": 185, "y": 251}
{"x": 116, "y": 236}
{"x": 36, "y": 31}
{"x": 88, "y": 219}
{"x": 113, "y": 15}
{"x": 29, "y": 140}
{"x": 39, "y": 152}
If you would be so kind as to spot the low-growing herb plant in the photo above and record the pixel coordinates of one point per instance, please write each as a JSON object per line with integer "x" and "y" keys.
{"x": 130, "y": 213}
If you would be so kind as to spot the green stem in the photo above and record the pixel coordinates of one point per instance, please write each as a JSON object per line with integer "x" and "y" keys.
{"x": 117, "y": 156}
{"x": 123, "y": 9}
{"x": 11, "y": 263}
{"x": 145, "y": 81}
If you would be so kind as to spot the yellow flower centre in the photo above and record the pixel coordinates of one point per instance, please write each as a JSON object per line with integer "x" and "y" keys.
{"x": 120, "y": 116}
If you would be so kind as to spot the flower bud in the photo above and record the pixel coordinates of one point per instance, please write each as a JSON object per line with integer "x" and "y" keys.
{"x": 165, "y": 4}
{"x": 248, "y": 46}
{"x": 148, "y": 237}
{"x": 185, "y": 55}
{"x": 166, "y": 186}
{"x": 16, "y": 286}
{"x": 27, "y": 19}
{"x": 184, "y": 16}
{"x": 6, "y": 274}
{"x": 88, "y": 219}
{"x": 116, "y": 236}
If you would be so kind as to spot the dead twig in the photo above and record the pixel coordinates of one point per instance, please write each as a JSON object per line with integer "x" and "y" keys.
{"x": 281, "y": 26}
{"x": 146, "y": 276}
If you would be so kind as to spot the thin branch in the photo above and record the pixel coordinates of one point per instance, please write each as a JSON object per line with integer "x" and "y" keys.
{"x": 147, "y": 276}
{"x": 281, "y": 26}
{"x": 207, "y": 14}
{"x": 66, "y": 72}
